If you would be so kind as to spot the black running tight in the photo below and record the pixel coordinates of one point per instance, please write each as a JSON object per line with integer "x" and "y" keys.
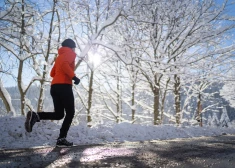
{"x": 63, "y": 99}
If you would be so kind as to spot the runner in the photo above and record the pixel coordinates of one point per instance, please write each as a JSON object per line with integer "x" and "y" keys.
{"x": 61, "y": 92}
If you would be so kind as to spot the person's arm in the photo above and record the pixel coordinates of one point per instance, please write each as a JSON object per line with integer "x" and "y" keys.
{"x": 66, "y": 68}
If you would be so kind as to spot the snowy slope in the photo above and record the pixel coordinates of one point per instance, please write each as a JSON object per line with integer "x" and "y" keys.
{"x": 13, "y": 134}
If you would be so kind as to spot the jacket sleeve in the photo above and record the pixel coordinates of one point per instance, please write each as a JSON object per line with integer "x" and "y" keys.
{"x": 67, "y": 69}
{"x": 52, "y": 74}
{"x": 67, "y": 65}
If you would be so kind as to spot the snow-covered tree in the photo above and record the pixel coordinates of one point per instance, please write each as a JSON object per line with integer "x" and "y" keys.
{"x": 89, "y": 22}
{"x": 150, "y": 57}
{"x": 228, "y": 90}
{"x": 224, "y": 119}
{"x": 6, "y": 98}
{"x": 214, "y": 120}
{"x": 178, "y": 35}
{"x": 15, "y": 39}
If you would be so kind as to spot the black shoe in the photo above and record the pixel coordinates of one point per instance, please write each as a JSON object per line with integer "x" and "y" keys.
{"x": 31, "y": 119}
{"x": 62, "y": 142}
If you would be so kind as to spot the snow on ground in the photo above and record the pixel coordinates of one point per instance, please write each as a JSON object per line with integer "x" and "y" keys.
{"x": 13, "y": 134}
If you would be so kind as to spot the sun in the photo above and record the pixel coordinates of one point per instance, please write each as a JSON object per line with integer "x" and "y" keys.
{"x": 94, "y": 59}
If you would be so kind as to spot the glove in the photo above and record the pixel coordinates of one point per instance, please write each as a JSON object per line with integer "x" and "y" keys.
{"x": 76, "y": 80}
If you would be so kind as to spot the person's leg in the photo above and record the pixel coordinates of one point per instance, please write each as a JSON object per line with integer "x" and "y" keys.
{"x": 31, "y": 119}
{"x": 56, "y": 94}
{"x": 68, "y": 103}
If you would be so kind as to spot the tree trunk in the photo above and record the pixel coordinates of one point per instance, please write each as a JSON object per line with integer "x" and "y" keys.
{"x": 21, "y": 62}
{"x": 5, "y": 96}
{"x": 19, "y": 83}
{"x": 118, "y": 105}
{"x": 133, "y": 102}
{"x": 177, "y": 98}
{"x": 41, "y": 97}
{"x": 163, "y": 100}
{"x": 90, "y": 97}
{"x": 45, "y": 71}
{"x": 199, "y": 110}
{"x": 156, "y": 111}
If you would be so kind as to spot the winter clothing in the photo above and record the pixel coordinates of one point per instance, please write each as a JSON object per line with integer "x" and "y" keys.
{"x": 63, "y": 99}
{"x": 62, "y": 142}
{"x": 61, "y": 92}
{"x": 68, "y": 43}
{"x": 63, "y": 69}
{"x": 76, "y": 80}
{"x": 31, "y": 119}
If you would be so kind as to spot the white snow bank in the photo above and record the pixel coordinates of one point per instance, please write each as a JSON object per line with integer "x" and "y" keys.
{"x": 13, "y": 134}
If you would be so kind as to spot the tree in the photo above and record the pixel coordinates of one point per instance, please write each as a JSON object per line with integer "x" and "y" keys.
{"x": 54, "y": 26}
{"x": 180, "y": 34}
{"x": 5, "y": 70}
{"x": 95, "y": 19}
{"x": 14, "y": 39}
{"x": 224, "y": 119}
{"x": 5, "y": 96}
{"x": 228, "y": 89}
{"x": 157, "y": 57}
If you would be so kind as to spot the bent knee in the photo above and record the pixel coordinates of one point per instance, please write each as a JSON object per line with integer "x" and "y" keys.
{"x": 70, "y": 114}
{"x": 60, "y": 117}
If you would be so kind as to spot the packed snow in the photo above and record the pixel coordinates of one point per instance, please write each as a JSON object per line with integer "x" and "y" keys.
{"x": 45, "y": 133}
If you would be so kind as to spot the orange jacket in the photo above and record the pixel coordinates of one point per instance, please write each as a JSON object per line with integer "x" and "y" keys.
{"x": 63, "y": 69}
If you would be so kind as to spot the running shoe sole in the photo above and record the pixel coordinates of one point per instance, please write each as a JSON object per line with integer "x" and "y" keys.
{"x": 64, "y": 146}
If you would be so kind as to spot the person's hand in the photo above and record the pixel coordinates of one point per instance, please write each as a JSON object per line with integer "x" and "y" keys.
{"x": 76, "y": 80}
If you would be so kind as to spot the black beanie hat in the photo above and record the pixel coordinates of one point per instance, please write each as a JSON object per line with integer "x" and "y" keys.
{"x": 68, "y": 43}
